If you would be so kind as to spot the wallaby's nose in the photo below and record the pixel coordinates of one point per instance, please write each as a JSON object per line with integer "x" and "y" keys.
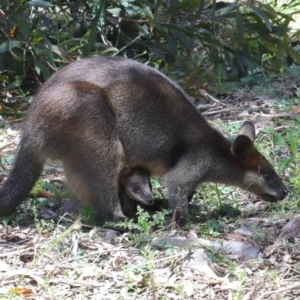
{"x": 282, "y": 192}
{"x": 285, "y": 192}
{"x": 151, "y": 202}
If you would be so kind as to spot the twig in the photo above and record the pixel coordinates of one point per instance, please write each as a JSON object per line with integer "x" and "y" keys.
{"x": 279, "y": 115}
{"x": 153, "y": 286}
{"x": 165, "y": 227}
{"x": 19, "y": 251}
{"x": 203, "y": 107}
{"x": 279, "y": 291}
{"x": 208, "y": 113}
{"x": 6, "y": 145}
{"x": 279, "y": 128}
{"x": 15, "y": 120}
{"x": 99, "y": 252}
{"x": 2, "y": 166}
{"x": 209, "y": 97}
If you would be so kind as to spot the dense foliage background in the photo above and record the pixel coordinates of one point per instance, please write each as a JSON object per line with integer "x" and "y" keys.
{"x": 201, "y": 40}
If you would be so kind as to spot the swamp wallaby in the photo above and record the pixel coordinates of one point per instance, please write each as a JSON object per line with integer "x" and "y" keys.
{"x": 158, "y": 126}
{"x": 134, "y": 188}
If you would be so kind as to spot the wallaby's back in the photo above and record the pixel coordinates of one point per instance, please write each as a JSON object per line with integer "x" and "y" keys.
{"x": 152, "y": 112}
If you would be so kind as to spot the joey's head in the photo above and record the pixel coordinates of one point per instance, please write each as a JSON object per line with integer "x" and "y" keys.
{"x": 136, "y": 184}
{"x": 259, "y": 177}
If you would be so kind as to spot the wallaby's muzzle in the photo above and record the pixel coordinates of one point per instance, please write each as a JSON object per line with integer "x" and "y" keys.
{"x": 278, "y": 195}
{"x": 148, "y": 202}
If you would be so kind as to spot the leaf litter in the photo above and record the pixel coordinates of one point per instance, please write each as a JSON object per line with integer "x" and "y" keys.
{"x": 256, "y": 258}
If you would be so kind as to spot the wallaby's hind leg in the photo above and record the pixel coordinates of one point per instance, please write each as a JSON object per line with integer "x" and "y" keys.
{"x": 94, "y": 178}
{"x": 87, "y": 143}
{"x": 93, "y": 155}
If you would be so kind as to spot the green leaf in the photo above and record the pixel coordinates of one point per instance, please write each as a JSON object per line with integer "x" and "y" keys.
{"x": 166, "y": 33}
{"x": 158, "y": 46}
{"x": 184, "y": 40}
{"x": 294, "y": 55}
{"x": 270, "y": 46}
{"x": 126, "y": 46}
{"x": 110, "y": 49}
{"x": 206, "y": 72}
{"x": 48, "y": 51}
{"x": 16, "y": 56}
{"x": 15, "y": 83}
{"x": 208, "y": 39}
{"x": 243, "y": 58}
{"x": 74, "y": 41}
{"x": 269, "y": 9}
{"x": 115, "y": 11}
{"x": 40, "y": 68}
{"x": 229, "y": 9}
{"x": 171, "y": 42}
{"x": 148, "y": 13}
{"x": 267, "y": 56}
{"x": 38, "y": 3}
{"x": 239, "y": 27}
{"x": 217, "y": 6}
{"x": 37, "y": 66}
{"x": 261, "y": 15}
{"x": 93, "y": 32}
{"x": 7, "y": 46}
{"x": 173, "y": 6}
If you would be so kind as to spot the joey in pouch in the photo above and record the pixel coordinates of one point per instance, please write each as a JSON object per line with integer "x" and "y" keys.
{"x": 134, "y": 188}
{"x": 145, "y": 118}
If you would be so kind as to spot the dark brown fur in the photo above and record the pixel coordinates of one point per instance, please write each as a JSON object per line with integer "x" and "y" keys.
{"x": 160, "y": 130}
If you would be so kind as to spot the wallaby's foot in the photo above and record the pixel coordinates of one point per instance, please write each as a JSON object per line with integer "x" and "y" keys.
{"x": 109, "y": 217}
{"x": 116, "y": 228}
{"x": 180, "y": 220}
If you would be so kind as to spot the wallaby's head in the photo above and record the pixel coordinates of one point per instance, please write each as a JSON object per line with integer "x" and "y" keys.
{"x": 260, "y": 177}
{"x": 136, "y": 184}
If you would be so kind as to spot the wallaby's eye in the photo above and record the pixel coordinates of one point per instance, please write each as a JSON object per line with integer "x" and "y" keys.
{"x": 266, "y": 176}
{"x": 136, "y": 188}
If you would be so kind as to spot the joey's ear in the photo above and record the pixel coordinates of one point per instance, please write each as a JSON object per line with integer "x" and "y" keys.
{"x": 243, "y": 148}
{"x": 248, "y": 130}
{"x": 124, "y": 175}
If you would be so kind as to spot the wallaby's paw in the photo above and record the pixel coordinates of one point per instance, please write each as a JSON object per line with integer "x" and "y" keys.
{"x": 182, "y": 222}
{"x": 179, "y": 219}
{"x": 115, "y": 227}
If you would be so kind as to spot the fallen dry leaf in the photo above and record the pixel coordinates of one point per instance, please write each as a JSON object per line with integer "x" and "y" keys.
{"x": 235, "y": 236}
{"x": 25, "y": 292}
{"x": 199, "y": 261}
{"x": 295, "y": 109}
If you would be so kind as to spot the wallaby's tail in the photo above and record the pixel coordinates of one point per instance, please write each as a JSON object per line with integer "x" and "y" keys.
{"x": 27, "y": 169}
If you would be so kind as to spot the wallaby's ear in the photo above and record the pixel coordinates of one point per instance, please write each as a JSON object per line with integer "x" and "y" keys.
{"x": 124, "y": 175}
{"x": 243, "y": 148}
{"x": 248, "y": 130}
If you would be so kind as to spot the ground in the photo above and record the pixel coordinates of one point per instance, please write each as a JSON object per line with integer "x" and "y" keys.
{"x": 240, "y": 249}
